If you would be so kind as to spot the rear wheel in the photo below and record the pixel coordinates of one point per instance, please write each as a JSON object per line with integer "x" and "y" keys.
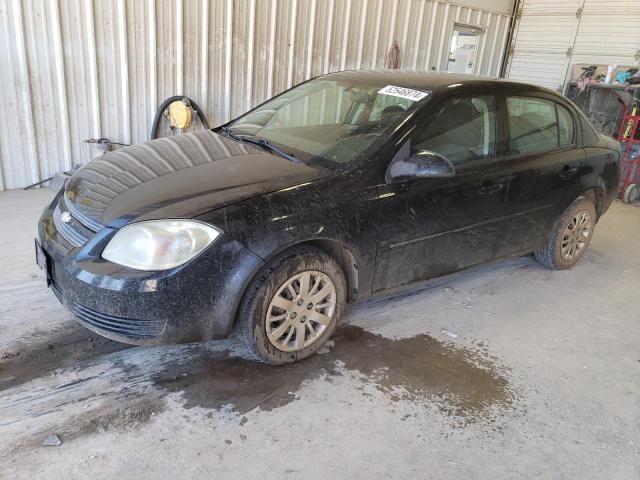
{"x": 570, "y": 237}
{"x": 292, "y": 307}
{"x": 631, "y": 193}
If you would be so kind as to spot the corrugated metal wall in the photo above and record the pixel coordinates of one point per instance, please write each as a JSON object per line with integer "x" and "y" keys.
{"x": 552, "y": 36}
{"x": 79, "y": 69}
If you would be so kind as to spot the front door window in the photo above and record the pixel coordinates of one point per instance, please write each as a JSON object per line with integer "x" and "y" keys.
{"x": 463, "y": 130}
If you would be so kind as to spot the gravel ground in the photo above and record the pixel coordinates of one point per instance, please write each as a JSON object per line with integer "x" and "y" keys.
{"x": 508, "y": 371}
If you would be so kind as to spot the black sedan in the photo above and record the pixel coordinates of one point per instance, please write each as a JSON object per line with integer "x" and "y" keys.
{"x": 345, "y": 186}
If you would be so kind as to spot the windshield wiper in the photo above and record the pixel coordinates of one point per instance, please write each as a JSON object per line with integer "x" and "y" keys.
{"x": 262, "y": 142}
{"x": 227, "y": 131}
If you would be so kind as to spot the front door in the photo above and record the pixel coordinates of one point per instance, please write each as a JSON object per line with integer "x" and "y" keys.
{"x": 434, "y": 226}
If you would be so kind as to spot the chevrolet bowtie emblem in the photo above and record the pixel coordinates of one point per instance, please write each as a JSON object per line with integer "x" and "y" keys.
{"x": 65, "y": 217}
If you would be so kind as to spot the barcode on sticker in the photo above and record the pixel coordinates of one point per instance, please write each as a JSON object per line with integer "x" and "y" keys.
{"x": 402, "y": 92}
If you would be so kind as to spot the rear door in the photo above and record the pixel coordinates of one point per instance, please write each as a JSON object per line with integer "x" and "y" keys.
{"x": 544, "y": 162}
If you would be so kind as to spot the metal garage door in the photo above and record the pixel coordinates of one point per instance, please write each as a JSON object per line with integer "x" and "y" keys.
{"x": 609, "y": 33}
{"x": 551, "y": 36}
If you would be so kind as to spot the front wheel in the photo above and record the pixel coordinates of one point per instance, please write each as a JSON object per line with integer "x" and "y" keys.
{"x": 570, "y": 237}
{"x": 292, "y": 307}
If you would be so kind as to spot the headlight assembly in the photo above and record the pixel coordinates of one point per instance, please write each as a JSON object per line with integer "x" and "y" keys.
{"x": 159, "y": 244}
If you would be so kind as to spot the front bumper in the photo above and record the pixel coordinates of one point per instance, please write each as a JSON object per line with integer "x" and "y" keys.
{"x": 194, "y": 302}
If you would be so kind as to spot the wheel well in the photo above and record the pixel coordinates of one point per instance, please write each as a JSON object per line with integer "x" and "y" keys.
{"x": 596, "y": 195}
{"x": 345, "y": 258}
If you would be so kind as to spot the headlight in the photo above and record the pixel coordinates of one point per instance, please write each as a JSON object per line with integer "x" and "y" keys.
{"x": 159, "y": 244}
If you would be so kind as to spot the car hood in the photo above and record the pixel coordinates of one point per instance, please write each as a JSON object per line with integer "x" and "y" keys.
{"x": 178, "y": 177}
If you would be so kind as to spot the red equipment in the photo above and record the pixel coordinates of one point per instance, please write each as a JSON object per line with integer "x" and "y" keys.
{"x": 629, "y": 138}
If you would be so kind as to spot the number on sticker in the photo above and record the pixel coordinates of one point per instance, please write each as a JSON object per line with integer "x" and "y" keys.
{"x": 403, "y": 92}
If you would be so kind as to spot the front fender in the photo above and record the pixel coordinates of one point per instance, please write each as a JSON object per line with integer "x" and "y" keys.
{"x": 344, "y": 214}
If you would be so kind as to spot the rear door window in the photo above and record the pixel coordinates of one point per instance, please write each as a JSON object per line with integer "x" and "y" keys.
{"x": 538, "y": 125}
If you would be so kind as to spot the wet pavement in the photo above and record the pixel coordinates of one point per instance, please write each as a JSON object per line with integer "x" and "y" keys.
{"x": 461, "y": 381}
{"x": 46, "y": 353}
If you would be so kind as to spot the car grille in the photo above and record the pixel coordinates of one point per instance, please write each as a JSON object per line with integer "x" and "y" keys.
{"x": 79, "y": 229}
{"x": 83, "y": 218}
{"x": 127, "y": 327}
{"x": 57, "y": 292}
{"x": 67, "y": 231}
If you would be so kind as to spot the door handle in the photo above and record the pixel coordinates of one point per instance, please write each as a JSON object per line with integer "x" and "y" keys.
{"x": 489, "y": 189}
{"x": 568, "y": 171}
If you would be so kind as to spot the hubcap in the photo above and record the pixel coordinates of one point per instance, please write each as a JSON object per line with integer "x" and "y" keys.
{"x": 300, "y": 311}
{"x": 576, "y": 235}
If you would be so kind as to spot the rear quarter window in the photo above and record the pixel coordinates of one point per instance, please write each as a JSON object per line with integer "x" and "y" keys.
{"x": 589, "y": 134}
{"x": 566, "y": 129}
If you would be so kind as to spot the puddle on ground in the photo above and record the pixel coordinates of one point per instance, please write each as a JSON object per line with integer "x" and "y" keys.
{"x": 419, "y": 368}
{"x": 460, "y": 382}
{"x": 39, "y": 357}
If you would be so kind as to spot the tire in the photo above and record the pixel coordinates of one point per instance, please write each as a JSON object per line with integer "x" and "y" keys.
{"x": 631, "y": 193}
{"x": 270, "y": 291}
{"x": 553, "y": 254}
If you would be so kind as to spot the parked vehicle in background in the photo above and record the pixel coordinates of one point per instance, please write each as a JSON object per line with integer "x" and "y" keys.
{"x": 347, "y": 185}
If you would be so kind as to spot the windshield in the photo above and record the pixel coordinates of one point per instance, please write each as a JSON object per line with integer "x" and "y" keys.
{"x": 329, "y": 122}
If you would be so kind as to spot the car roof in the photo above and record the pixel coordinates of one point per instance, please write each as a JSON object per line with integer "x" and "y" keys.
{"x": 428, "y": 80}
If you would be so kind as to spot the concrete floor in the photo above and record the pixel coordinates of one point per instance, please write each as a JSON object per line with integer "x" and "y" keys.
{"x": 542, "y": 380}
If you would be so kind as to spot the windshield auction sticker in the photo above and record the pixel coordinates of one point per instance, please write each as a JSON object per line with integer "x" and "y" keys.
{"x": 402, "y": 92}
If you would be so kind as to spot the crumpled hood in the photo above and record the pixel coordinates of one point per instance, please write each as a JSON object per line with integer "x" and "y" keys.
{"x": 179, "y": 177}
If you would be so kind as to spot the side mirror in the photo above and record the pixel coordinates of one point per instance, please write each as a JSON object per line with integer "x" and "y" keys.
{"x": 422, "y": 164}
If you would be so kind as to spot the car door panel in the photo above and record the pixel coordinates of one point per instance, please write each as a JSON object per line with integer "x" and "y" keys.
{"x": 434, "y": 226}
{"x": 541, "y": 185}
{"x": 430, "y": 227}
{"x": 540, "y": 188}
